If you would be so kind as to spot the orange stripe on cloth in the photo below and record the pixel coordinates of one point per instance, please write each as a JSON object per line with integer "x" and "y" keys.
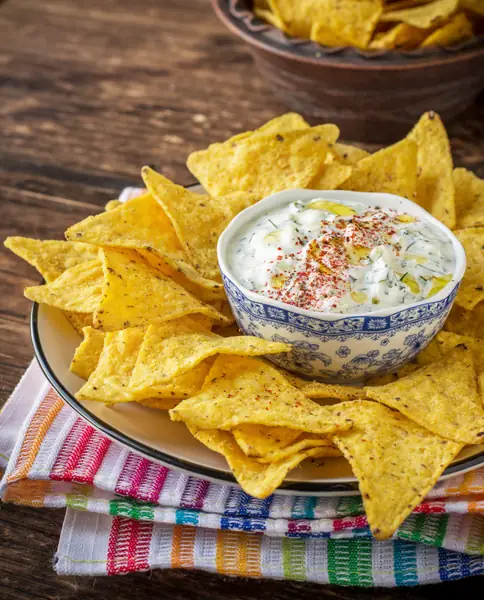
{"x": 238, "y": 553}
{"x": 182, "y": 554}
{"x": 28, "y": 492}
{"x": 39, "y": 426}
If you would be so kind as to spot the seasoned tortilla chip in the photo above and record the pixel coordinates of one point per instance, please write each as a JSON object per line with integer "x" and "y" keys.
{"x": 134, "y": 294}
{"x": 399, "y": 36}
{"x": 267, "y": 15}
{"x": 51, "y": 257}
{"x": 392, "y": 170}
{"x": 425, "y": 16}
{"x": 254, "y": 478}
{"x": 109, "y": 382}
{"x": 318, "y": 389}
{"x": 466, "y": 322}
{"x": 263, "y": 165}
{"x": 79, "y": 320}
{"x": 159, "y": 403}
{"x": 469, "y": 199}
{"x": 348, "y": 155}
{"x": 162, "y": 357}
{"x": 471, "y": 290}
{"x": 332, "y": 177}
{"x": 395, "y": 461}
{"x": 78, "y": 289}
{"x": 305, "y": 442}
{"x": 140, "y": 224}
{"x": 322, "y": 34}
{"x": 457, "y": 29}
{"x": 198, "y": 220}
{"x": 242, "y": 390}
{"x": 435, "y": 183}
{"x": 442, "y": 397}
{"x": 112, "y": 204}
{"x": 260, "y": 440}
{"x": 88, "y": 352}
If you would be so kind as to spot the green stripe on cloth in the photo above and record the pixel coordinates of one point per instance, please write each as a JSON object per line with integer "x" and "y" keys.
{"x": 294, "y": 559}
{"x": 425, "y": 529}
{"x": 475, "y": 540}
{"x": 77, "y": 501}
{"x": 120, "y": 507}
{"x": 349, "y": 506}
{"x": 350, "y": 562}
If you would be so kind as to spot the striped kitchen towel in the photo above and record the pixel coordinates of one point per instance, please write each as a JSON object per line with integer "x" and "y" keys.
{"x": 126, "y": 513}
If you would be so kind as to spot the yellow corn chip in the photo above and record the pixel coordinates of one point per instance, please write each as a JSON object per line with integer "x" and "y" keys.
{"x": 400, "y": 36}
{"x": 78, "y": 289}
{"x": 198, "y": 220}
{"x": 471, "y": 290}
{"x": 392, "y": 170}
{"x": 322, "y": 34}
{"x": 425, "y": 16}
{"x": 79, "y": 320}
{"x": 134, "y": 294}
{"x": 162, "y": 358}
{"x": 457, "y": 29}
{"x": 442, "y": 397}
{"x": 262, "y": 165}
{"x": 242, "y": 390}
{"x": 466, "y": 322}
{"x": 254, "y": 478}
{"x": 332, "y": 177}
{"x": 306, "y": 441}
{"x": 180, "y": 387}
{"x": 318, "y": 389}
{"x": 390, "y": 6}
{"x": 445, "y": 341}
{"x": 348, "y": 155}
{"x": 112, "y": 204}
{"x": 469, "y": 199}
{"x": 51, "y": 257}
{"x": 298, "y": 17}
{"x": 260, "y": 440}
{"x": 352, "y": 21}
{"x": 270, "y": 17}
{"x": 435, "y": 184}
{"x": 159, "y": 403}
{"x": 395, "y": 461}
{"x": 140, "y": 224}
{"x": 109, "y": 382}
{"x": 87, "y": 354}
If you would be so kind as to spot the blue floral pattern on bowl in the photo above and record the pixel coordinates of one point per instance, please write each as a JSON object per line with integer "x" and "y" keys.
{"x": 349, "y": 348}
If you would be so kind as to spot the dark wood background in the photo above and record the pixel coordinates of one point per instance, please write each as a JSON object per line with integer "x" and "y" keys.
{"x": 89, "y": 92}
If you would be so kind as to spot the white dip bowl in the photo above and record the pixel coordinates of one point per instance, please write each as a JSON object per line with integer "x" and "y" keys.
{"x": 337, "y": 346}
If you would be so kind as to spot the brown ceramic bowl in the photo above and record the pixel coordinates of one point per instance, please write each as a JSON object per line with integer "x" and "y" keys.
{"x": 373, "y": 97}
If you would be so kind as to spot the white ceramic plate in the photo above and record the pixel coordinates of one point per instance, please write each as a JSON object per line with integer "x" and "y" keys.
{"x": 150, "y": 433}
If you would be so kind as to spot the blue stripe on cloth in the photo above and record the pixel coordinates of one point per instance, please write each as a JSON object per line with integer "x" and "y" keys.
{"x": 240, "y": 504}
{"x": 303, "y": 507}
{"x": 405, "y": 563}
{"x": 239, "y": 524}
{"x": 185, "y": 516}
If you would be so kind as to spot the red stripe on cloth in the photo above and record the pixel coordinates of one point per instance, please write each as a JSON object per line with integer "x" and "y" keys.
{"x": 430, "y": 508}
{"x": 128, "y": 546}
{"x": 350, "y": 523}
{"x": 141, "y": 479}
{"x": 71, "y": 452}
{"x": 153, "y": 481}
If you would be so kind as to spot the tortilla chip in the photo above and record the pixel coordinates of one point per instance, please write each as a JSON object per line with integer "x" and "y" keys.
{"x": 442, "y": 397}
{"x": 298, "y": 17}
{"x": 87, "y": 353}
{"x": 322, "y": 34}
{"x": 198, "y": 220}
{"x": 466, "y": 322}
{"x": 333, "y": 176}
{"x": 435, "y": 184}
{"x": 318, "y": 389}
{"x": 162, "y": 357}
{"x": 263, "y": 165}
{"x": 134, "y": 294}
{"x": 445, "y": 341}
{"x": 270, "y": 17}
{"x": 475, "y": 6}
{"x": 395, "y": 461}
{"x": 348, "y": 155}
{"x": 352, "y": 21}
{"x": 242, "y": 390}
{"x": 78, "y": 289}
{"x": 306, "y": 441}
{"x": 112, "y": 204}
{"x": 140, "y": 224}
{"x": 110, "y": 380}
{"x": 423, "y": 17}
{"x": 392, "y": 170}
{"x": 469, "y": 199}
{"x": 159, "y": 403}
{"x": 51, "y": 257}
{"x": 181, "y": 387}
{"x": 457, "y": 29}
{"x": 79, "y": 320}
{"x": 255, "y": 479}
{"x": 260, "y": 440}
{"x": 400, "y": 36}
{"x": 287, "y": 122}
{"x": 471, "y": 290}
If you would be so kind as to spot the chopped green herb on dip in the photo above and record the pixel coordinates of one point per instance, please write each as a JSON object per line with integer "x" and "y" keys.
{"x": 342, "y": 257}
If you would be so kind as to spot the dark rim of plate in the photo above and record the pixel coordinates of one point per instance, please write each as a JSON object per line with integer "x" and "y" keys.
{"x": 347, "y": 488}
{"x": 239, "y": 17}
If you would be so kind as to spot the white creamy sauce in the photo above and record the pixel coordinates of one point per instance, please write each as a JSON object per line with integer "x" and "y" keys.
{"x": 343, "y": 257}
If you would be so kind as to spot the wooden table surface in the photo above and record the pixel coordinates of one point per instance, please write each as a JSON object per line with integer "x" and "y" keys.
{"x": 90, "y": 92}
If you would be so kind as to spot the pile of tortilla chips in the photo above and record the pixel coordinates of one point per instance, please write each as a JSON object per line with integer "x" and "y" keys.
{"x": 376, "y": 24}
{"x": 141, "y": 283}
